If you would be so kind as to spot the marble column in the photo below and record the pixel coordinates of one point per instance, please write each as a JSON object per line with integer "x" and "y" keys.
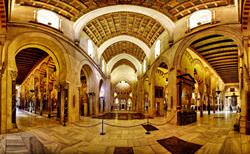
{"x": 36, "y": 91}
{"x": 108, "y": 94}
{"x": 244, "y": 99}
{"x": 42, "y": 89}
{"x": 91, "y": 98}
{"x": 64, "y": 88}
{"x": 3, "y": 128}
{"x": 13, "y": 77}
{"x": 140, "y": 93}
{"x": 151, "y": 107}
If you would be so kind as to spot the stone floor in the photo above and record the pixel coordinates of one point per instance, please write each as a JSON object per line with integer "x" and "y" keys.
{"x": 37, "y": 134}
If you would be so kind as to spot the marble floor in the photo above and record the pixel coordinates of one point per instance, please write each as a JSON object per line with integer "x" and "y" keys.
{"x": 36, "y": 134}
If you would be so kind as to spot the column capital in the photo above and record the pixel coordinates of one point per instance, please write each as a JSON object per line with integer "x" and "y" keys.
{"x": 64, "y": 84}
{"x": 13, "y": 74}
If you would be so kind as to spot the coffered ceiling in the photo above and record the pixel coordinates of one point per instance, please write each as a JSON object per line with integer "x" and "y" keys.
{"x": 174, "y": 9}
{"x": 110, "y": 25}
{"x": 123, "y": 47}
{"x": 221, "y": 53}
{"x": 3, "y": 19}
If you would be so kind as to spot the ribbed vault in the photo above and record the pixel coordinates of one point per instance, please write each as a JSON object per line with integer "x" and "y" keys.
{"x": 124, "y": 62}
{"x": 221, "y": 53}
{"x": 110, "y": 25}
{"x": 123, "y": 47}
{"x": 26, "y": 60}
{"x": 175, "y": 9}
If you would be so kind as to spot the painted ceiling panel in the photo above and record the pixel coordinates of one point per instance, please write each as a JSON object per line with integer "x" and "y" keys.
{"x": 221, "y": 53}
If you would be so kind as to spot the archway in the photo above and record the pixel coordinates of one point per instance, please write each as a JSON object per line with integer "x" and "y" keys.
{"x": 123, "y": 96}
{"x": 161, "y": 90}
{"x": 36, "y": 83}
{"x": 217, "y": 48}
{"x": 85, "y": 93}
{"x": 35, "y": 43}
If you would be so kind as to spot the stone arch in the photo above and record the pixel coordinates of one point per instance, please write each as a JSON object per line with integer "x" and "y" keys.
{"x": 166, "y": 22}
{"x": 224, "y": 30}
{"x": 162, "y": 59}
{"x": 43, "y": 42}
{"x": 132, "y": 59}
{"x": 119, "y": 38}
{"x": 88, "y": 70}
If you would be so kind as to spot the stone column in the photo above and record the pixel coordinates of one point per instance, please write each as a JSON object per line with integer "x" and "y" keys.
{"x": 58, "y": 115}
{"x": 151, "y": 103}
{"x": 42, "y": 89}
{"x": 13, "y": 77}
{"x": 36, "y": 91}
{"x": 244, "y": 82}
{"x": 50, "y": 88}
{"x": 2, "y": 69}
{"x": 91, "y": 98}
{"x": 64, "y": 88}
{"x": 108, "y": 95}
{"x": 244, "y": 99}
{"x": 140, "y": 93}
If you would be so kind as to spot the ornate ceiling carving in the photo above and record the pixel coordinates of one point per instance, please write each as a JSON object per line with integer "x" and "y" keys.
{"x": 123, "y": 47}
{"x": 175, "y": 9}
{"x": 110, "y": 25}
{"x": 221, "y": 53}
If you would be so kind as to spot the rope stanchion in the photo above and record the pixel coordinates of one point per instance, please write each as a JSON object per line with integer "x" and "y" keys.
{"x": 147, "y": 132}
{"x": 102, "y": 133}
{"x": 88, "y": 125}
{"x": 124, "y": 126}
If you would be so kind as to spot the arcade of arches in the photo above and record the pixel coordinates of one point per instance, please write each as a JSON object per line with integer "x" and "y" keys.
{"x": 72, "y": 60}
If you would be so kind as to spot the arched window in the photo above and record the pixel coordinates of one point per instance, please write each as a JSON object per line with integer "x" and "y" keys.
{"x": 48, "y": 18}
{"x": 199, "y": 18}
{"x": 157, "y": 48}
{"x": 90, "y": 47}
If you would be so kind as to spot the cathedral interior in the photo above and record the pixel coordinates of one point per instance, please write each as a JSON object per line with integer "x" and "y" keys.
{"x": 125, "y": 76}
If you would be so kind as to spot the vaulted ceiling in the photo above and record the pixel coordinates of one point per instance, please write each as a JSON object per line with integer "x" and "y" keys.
{"x": 26, "y": 60}
{"x": 174, "y": 9}
{"x": 110, "y": 25}
{"x": 142, "y": 27}
{"x": 221, "y": 53}
{"x": 124, "y": 62}
{"x": 123, "y": 47}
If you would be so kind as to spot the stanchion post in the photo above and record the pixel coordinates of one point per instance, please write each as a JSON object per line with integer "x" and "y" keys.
{"x": 102, "y": 133}
{"x": 147, "y": 132}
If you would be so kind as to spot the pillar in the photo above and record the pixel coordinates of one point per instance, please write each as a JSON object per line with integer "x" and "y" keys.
{"x": 151, "y": 103}
{"x": 91, "y": 99}
{"x": 64, "y": 88}
{"x": 244, "y": 99}
{"x": 13, "y": 77}
{"x": 244, "y": 82}
{"x": 108, "y": 95}
{"x": 139, "y": 94}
